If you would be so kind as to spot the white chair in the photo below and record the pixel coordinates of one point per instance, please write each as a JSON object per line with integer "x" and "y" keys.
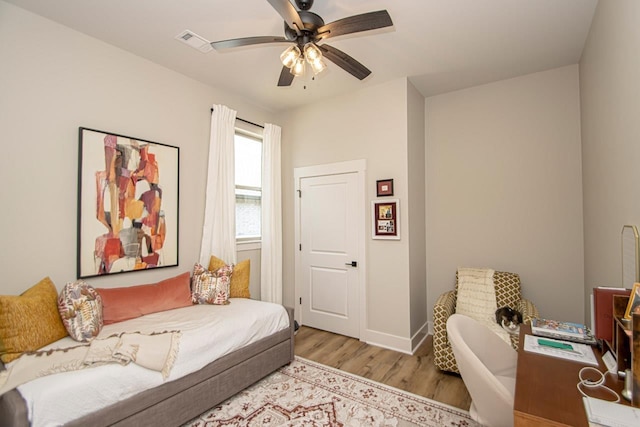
{"x": 488, "y": 368}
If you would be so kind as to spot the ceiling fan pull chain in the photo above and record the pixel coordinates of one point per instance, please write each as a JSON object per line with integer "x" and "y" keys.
{"x": 313, "y": 79}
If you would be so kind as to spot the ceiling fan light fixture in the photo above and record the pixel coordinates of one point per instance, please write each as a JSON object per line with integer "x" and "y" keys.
{"x": 311, "y": 52}
{"x": 298, "y": 67}
{"x": 290, "y": 56}
{"x": 318, "y": 66}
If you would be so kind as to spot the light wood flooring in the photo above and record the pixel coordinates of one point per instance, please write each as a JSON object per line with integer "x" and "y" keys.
{"x": 413, "y": 373}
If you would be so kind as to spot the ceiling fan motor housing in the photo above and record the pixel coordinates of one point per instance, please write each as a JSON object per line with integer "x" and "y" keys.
{"x": 311, "y": 21}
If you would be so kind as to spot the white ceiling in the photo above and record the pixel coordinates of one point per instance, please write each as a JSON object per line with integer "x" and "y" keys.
{"x": 441, "y": 45}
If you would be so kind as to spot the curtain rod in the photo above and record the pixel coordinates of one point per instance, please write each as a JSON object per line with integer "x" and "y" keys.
{"x": 246, "y": 121}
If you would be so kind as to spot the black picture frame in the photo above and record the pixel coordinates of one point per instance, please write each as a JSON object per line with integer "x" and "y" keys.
{"x": 128, "y": 204}
{"x": 384, "y": 187}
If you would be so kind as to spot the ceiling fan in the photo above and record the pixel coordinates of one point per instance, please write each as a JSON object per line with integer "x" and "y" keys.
{"x": 305, "y": 30}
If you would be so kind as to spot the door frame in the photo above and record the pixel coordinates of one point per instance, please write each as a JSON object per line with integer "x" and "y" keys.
{"x": 354, "y": 166}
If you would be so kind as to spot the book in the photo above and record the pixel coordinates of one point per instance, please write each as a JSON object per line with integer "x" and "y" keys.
{"x": 557, "y": 327}
{"x": 603, "y": 311}
{"x": 569, "y": 331}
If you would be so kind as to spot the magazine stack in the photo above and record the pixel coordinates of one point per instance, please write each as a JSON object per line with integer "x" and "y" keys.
{"x": 567, "y": 331}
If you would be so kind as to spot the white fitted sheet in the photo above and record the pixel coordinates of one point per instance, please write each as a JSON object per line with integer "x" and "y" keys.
{"x": 208, "y": 333}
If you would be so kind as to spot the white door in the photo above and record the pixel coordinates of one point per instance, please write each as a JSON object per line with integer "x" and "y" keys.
{"x": 329, "y": 247}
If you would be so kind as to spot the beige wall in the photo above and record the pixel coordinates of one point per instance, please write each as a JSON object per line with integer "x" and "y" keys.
{"x": 504, "y": 187}
{"x": 610, "y": 103}
{"x": 370, "y": 124}
{"x": 417, "y": 206}
{"x": 52, "y": 81}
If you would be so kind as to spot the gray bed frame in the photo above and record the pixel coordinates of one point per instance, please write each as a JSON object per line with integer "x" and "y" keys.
{"x": 176, "y": 402}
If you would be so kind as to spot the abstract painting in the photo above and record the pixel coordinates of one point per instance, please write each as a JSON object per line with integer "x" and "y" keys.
{"x": 127, "y": 204}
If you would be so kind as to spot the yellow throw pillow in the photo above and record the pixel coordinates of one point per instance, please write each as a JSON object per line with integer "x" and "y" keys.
{"x": 29, "y": 321}
{"x": 239, "y": 278}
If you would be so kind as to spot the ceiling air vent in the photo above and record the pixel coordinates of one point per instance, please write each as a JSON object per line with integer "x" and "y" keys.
{"x": 195, "y": 41}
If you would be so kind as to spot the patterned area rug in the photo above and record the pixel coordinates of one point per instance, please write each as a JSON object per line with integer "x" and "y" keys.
{"x": 305, "y": 393}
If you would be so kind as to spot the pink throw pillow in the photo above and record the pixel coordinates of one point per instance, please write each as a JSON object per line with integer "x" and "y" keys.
{"x": 125, "y": 303}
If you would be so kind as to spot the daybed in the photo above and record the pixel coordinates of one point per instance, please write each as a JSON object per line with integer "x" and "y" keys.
{"x": 184, "y": 394}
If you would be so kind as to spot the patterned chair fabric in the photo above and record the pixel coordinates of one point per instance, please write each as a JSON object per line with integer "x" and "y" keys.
{"x": 508, "y": 293}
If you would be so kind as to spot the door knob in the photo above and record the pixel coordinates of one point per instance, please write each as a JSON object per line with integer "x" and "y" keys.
{"x": 352, "y": 263}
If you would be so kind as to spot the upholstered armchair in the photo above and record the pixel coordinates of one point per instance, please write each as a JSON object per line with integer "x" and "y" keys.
{"x": 508, "y": 294}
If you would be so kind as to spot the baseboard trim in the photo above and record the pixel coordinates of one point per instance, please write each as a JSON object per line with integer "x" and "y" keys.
{"x": 396, "y": 343}
{"x": 419, "y": 337}
{"x": 388, "y": 341}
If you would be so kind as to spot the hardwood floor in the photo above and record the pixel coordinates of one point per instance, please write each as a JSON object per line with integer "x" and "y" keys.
{"x": 413, "y": 373}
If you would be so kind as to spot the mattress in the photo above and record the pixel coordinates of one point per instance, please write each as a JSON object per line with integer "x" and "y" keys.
{"x": 208, "y": 333}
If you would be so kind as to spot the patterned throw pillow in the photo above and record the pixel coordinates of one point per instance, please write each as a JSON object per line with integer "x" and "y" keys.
{"x": 209, "y": 287}
{"x": 239, "y": 287}
{"x": 29, "y": 321}
{"x": 80, "y": 307}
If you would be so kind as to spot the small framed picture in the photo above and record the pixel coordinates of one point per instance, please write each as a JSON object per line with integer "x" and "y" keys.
{"x": 384, "y": 187}
{"x": 634, "y": 302}
{"x": 385, "y": 219}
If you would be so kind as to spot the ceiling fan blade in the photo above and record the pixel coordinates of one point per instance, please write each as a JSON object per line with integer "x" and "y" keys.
{"x": 286, "y": 78}
{"x": 355, "y": 24}
{"x": 247, "y": 41}
{"x": 344, "y": 61}
{"x": 288, "y": 13}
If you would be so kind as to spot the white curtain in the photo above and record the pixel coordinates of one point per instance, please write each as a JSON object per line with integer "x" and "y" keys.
{"x": 271, "y": 258}
{"x": 219, "y": 230}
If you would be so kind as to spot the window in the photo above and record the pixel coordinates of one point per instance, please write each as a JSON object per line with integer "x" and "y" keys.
{"x": 248, "y": 165}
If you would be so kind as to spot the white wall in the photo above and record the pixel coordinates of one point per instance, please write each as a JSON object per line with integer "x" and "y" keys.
{"x": 370, "y": 124}
{"x": 504, "y": 187}
{"x": 53, "y": 80}
{"x": 610, "y": 103}
{"x": 417, "y": 211}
